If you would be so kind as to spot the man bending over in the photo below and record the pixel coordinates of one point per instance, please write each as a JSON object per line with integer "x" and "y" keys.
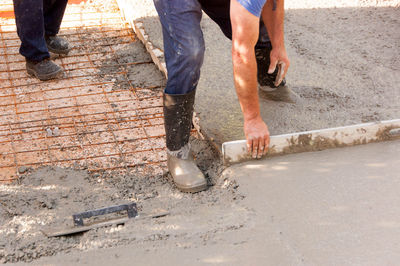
{"x": 255, "y": 56}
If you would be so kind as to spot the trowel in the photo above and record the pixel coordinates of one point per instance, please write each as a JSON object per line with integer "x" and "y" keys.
{"x": 80, "y": 226}
{"x": 316, "y": 140}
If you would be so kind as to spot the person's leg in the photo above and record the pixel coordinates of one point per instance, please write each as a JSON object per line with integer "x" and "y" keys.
{"x": 183, "y": 43}
{"x": 30, "y": 28}
{"x": 184, "y": 53}
{"x": 53, "y": 15}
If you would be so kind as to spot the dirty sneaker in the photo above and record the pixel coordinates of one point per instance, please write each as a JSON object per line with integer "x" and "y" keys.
{"x": 43, "y": 70}
{"x": 57, "y": 45}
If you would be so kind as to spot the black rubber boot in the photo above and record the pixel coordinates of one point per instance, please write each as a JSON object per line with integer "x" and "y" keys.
{"x": 57, "y": 45}
{"x": 178, "y": 113}
{"x": 44, "y": 70}
{"x": 267, "y": 87}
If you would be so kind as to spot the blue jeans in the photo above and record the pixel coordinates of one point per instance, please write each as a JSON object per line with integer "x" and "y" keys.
{"x": 35, "y": 19}
{"x": 183, "y": 38}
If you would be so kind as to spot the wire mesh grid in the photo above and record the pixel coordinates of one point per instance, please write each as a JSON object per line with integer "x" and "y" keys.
{"x": 98, "y": 116}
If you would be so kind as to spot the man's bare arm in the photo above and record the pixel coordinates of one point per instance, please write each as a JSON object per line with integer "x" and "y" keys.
{"x": 244, "y": 37}
{"x": 274, "y": 21}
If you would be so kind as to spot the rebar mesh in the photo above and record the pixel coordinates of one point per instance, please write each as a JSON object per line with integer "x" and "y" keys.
{"x": 97, "y": 116}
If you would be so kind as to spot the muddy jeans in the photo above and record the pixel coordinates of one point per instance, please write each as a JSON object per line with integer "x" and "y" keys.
{"x": 183, "y": 38}
{"x": 35, "y": 19}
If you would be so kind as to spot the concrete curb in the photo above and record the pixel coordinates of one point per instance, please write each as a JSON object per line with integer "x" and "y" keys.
{"x": 157, "y": 55}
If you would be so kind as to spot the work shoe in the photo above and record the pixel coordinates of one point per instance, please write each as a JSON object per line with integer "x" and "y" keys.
{"x": 43, "y": 70}
{"x": 187, "y": 176}
{"x": 57, "y": 45}
{"x": 267, "y": 87}
{"x": 178, "y": 113}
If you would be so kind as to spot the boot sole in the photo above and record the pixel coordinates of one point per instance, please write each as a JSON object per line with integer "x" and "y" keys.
{"x": 192, "y": 189}
{"x": 49, "y": 76}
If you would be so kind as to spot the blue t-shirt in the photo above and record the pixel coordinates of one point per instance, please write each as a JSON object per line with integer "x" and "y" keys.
{"x": 254, "y": 6}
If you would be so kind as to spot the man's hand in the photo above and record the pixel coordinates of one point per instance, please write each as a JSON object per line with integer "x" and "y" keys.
{"x": 274, "y": 21}
{"x": 257, "y": 136}
{"x": 244, "y": 37}
{"x": 278, "y": 57}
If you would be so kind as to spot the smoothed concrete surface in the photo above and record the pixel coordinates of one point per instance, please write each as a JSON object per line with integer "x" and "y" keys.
{"x": 334, "y": 207}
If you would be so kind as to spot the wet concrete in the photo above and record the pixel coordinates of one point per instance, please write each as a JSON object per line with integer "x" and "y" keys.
{"x": 43, "y": 200}
{"x": 337, "y": 207}
{"x": 338, "y": 80}
{"x": 334, "y": 207}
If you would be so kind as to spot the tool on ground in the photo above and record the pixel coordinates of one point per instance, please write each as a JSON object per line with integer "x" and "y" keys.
{"x": 316, "y": 140}
{"x": 80, "y": 226}
{"x": 130, "y": 208}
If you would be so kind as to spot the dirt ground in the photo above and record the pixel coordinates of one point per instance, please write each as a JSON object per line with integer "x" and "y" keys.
{"x": 47, "y": 197}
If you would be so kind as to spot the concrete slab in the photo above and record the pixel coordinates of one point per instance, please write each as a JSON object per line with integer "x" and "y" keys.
{"x": 334, "y": 207}
{"x": 337, "y": 207}
{"x": 343, "y": 75}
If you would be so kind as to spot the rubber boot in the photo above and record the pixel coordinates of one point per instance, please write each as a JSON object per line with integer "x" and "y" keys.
{"x": 178, "y": 113}
{"x": 267, "y": 87}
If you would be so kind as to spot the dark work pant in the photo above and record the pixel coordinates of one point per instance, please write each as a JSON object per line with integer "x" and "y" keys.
{"x": 35, "y": 19}
{"x": 183, "y": 38}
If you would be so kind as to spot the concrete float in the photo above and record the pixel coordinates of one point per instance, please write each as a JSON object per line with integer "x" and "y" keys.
{"x": 317, "y": 140}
